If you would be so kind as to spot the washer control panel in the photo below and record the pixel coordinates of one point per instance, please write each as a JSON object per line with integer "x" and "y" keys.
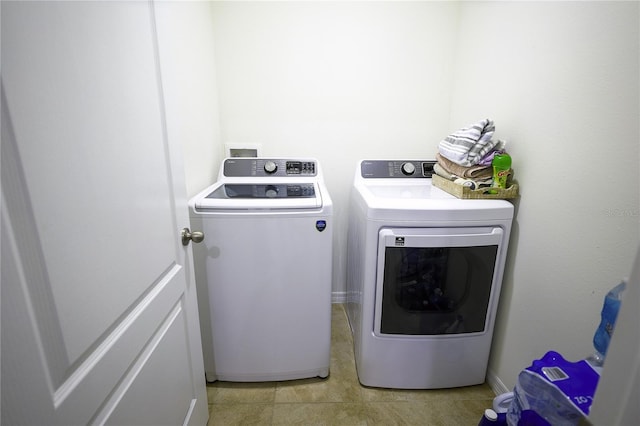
{"x": 396, "y": 168}
{"x": 269, "y": 167}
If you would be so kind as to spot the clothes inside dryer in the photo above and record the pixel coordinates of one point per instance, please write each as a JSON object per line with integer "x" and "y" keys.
{"x": 436, "y": 290}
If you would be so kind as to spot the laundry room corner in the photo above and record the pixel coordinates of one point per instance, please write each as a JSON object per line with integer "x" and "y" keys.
{"x": 566, "y": 99}
{"x": 338, "y": 275}
{"x": 343, "y": 81}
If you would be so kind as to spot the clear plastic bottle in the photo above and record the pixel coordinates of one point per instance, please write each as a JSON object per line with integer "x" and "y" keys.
{"x": 602, "y": 337}
{"x": 596, "y": 359}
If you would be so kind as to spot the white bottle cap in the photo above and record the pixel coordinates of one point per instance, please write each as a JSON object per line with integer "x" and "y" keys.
{"x": 491, "y": 415}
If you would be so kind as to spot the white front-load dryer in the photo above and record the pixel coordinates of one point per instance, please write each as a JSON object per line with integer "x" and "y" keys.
{"x": 264, "y": 270}
{"x": 424, "y": 272}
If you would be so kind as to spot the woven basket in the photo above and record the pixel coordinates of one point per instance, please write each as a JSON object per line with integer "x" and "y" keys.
{"x": 468, "y": 193}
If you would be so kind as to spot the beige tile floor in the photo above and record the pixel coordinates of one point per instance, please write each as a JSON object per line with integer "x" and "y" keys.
{"x": 340, "y": 399}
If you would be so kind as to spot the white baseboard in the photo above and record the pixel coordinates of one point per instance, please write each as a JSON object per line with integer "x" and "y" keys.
{"x": 496, "y": 384}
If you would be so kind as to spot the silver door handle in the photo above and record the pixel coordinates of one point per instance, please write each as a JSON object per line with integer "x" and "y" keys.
{"x": 195, "y": 236}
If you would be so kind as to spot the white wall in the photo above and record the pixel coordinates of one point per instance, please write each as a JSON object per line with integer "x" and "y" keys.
{"x": 345, "y": 81}
{"x": 339, "y": 81}
{"x": 187, "y": 58}
{"x": 565, "y": 93}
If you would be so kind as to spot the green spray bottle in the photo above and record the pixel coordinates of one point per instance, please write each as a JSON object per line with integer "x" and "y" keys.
{"x": 501, "y": 167}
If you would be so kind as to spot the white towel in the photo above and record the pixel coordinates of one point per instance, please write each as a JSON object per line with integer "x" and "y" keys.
{"x": 467, "y": 146}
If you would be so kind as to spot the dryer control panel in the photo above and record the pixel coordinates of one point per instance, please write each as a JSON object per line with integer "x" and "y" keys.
{"x": 269, "y": 167}
{"x": 397, "y": 168}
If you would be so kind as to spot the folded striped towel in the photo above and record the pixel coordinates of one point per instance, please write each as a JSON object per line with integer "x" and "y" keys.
{"x": 472, "y": 172}
{"x": 467, "y": 146}
{"x": 488, "y": 158}
{"x": 440, "y": 171}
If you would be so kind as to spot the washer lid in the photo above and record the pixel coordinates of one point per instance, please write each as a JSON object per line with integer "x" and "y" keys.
{"x": 260, "y": 196}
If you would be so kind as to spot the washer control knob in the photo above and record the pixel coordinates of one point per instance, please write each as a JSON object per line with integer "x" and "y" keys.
{"x": 408, "y": 169}
{"x": 270, "y": 167}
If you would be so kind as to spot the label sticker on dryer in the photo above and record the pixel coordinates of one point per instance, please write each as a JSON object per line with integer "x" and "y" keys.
{"x": 400, "y": 241}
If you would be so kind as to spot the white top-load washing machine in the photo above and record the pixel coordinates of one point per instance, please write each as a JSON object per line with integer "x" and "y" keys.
{"x": 424, "y": 275}
{"x": 263, "y": 272}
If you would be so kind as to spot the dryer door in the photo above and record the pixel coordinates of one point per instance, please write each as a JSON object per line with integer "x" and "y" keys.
{"x": 436, "y": 281}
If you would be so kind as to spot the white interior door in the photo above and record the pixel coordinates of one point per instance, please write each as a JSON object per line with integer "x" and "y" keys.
{"x": 99, "y": 316}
